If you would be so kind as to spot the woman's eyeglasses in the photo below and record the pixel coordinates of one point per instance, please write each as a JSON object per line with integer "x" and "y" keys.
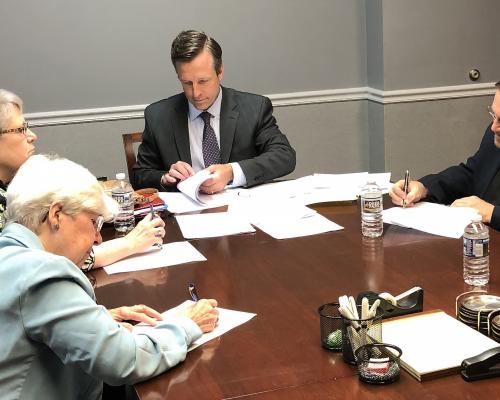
{"x": 21, "y": 130}
{"x": 98, "y": 222}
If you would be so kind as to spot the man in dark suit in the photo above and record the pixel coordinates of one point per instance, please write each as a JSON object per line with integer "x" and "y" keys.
{"x": 474, "y": 184}
{"x": 232, "y": 133}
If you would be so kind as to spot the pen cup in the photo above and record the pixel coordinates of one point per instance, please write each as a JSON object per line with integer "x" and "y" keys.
{"x": 330, "y": 323}
{"x": 359, "y": 332}
{"x": 378, "y": 363}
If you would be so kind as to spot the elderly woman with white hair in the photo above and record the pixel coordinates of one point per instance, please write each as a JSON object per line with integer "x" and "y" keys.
{"x": 17, "y": 144}
{"x": 57, "y": 343}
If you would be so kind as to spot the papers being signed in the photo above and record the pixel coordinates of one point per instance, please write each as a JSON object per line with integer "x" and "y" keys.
{"x": 431, "y": 218}
{"x": 228, "y": 319}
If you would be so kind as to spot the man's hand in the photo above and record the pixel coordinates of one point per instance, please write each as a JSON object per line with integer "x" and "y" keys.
{"x": 204, "y": 314}
{"x": 484, "y": 208}
{"x": 177, "y": 172}
{"x": 222, "y": 175}
{"x": 139, "y": 313}
{"x": 416, "y": 192}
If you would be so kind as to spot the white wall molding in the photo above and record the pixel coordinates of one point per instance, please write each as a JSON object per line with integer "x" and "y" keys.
{"x": 433, "y": 93}
{"x": 279, "y": 100}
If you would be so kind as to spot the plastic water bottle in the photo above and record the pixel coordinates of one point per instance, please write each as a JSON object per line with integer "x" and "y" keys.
{"x": 476, "y": 253}
{"x": 372, "y": 224}
{"x": 122, "y": 193}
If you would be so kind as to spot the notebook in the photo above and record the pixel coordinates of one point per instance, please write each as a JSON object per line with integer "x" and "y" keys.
{"x": 434, "y": 344}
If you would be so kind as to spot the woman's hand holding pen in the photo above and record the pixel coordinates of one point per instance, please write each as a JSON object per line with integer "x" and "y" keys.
{"x": 416, "y": 192}
{"x": 204, "y": 314}
{"x": 149, "y": 231}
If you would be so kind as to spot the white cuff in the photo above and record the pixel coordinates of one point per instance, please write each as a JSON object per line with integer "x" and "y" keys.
{"x": 239, "y": 178}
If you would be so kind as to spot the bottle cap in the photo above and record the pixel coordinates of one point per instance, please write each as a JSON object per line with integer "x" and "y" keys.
{"x": 120, "y": 176}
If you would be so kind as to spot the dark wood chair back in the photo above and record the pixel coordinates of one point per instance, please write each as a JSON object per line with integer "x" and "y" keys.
{"x": 128, "y": 143}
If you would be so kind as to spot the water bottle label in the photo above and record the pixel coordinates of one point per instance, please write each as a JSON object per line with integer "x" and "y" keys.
{"x": 124, "y": 198}
{"x": 371, "y": 205}
{"x": 476, "y": 247}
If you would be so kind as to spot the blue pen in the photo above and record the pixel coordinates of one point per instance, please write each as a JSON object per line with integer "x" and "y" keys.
{"x": 192, "y": 292}
{"x": 153, "y": 215}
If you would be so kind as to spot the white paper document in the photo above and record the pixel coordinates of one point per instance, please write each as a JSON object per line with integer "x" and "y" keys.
{"x": 281, "y": 227}
{"x": 257, "y": 209}
{"x": 197, "y": 226}
{"x": 277, "y": 191}
{"x": 431, "y": 218}
{"x": 228, "y": 319}
{"x": 180, "y": 203}
{"x": 170, "y": 254}
{"x": 319, "y": 188}
{"x": 191, "y": 186}
{"x": 310, "y": 189}
{"x": 343, "y": 187}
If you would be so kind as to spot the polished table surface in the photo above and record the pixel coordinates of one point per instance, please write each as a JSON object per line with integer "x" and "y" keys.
{"x": 277, "y": 354}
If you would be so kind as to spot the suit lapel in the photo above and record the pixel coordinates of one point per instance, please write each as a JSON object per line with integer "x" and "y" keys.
{"x": 181, "y": 131}
{"x": 228, "y": 118}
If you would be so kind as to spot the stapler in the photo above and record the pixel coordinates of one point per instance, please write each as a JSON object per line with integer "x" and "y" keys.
{"x": 482, "y": 366}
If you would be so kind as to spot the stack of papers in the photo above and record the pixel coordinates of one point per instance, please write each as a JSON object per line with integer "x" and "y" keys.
{"x": 281, "y": 219}
{"x": 277, "y": 208}
{"x": 431, "y": 218}
{"x": 191, "y": 187}
{"x": 319, "y": 188}
{"x": 190, "y": 198}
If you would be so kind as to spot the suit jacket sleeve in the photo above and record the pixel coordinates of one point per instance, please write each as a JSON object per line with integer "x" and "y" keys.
{"x": 460, "y": 180}
{"x": 82, "y": 333}
{"x": 275, "y": 156}
{"x": 149, "y": 168}
{"x": 495, "y": 219}
{"x": 469, "y": 179}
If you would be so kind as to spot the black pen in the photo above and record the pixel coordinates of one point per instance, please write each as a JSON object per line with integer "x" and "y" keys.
{"x": 153, "y": 215}
{"x": 192, "y": 292}
{"x": 406, "y": 185}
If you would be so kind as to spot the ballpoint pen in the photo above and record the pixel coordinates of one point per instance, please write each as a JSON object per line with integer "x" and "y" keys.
{"x": 192, "y": 292}
{"x": 406, "y": 184}
{"x": 153, "y": 215}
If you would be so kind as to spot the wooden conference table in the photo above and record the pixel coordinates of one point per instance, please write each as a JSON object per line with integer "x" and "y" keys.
{"x": 277, "y": 354}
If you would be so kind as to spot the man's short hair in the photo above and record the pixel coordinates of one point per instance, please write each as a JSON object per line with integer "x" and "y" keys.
{"x": 497, "y": 84}
{"x": 188, "y": 44}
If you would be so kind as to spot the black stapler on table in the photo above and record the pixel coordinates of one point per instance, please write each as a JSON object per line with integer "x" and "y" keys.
{"x": 482, "y": 366}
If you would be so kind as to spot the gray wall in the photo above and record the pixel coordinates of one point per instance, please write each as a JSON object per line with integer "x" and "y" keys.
{"x": 431, "y": 43}
{"x": 434, "y": 43}
{"x": 67, "y": 55}
{"x": 64, "y": 55}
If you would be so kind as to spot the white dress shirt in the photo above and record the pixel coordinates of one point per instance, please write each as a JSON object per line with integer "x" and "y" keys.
{"x": 196, "y": 125}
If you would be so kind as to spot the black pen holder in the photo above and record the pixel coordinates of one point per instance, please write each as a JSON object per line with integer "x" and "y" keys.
{"x": 378, "y": 363}
{"x": 359, "y": 332}
{"x": 410, "y": 304}
{"x": 330, "y": 323}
